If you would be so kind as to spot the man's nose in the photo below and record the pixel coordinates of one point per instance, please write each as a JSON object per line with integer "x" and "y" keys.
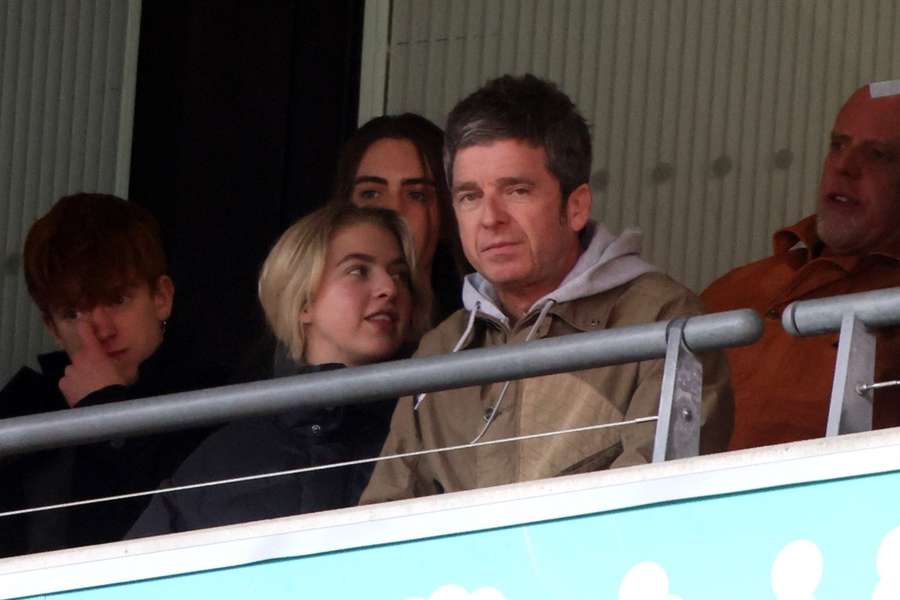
{"x": 493, "y": 210}
{"x": 102, "y": 322}
{"x": 848, "y": 162}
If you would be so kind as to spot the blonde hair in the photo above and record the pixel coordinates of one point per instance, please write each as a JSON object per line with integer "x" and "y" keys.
{"x": 293, "y": 270}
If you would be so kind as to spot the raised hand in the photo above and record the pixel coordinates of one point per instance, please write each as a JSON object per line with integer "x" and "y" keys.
{"x": 91, "y": 368}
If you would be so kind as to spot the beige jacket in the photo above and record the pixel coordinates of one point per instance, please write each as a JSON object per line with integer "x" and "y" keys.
{"x": 548, "y": 403}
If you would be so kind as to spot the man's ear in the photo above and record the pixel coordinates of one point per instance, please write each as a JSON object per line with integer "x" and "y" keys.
{"x": 163, "y": 295}
{"x": 578, "y": 207}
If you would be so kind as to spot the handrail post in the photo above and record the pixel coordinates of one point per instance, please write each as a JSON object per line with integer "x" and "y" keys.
{"x": 850, "y": 410}
{"x": 856, "y": 317}
{"x": 678, "y": 426}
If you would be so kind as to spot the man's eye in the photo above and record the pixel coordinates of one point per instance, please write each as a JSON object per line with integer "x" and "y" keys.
{"x": 121, "y": 299}
{"x": 70, "y": 314}
{"x": 466, "y": 200}
{"x": 880, "y": 155}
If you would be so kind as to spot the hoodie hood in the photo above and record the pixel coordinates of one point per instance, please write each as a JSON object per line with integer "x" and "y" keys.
{"x": 607, "y": 262}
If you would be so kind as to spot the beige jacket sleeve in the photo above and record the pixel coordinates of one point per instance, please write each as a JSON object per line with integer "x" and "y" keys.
{"x": 401, "y": 478}
{"x": 394, "y": 479}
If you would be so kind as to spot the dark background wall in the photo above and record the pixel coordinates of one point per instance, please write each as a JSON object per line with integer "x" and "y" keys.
{"x": 240, "y": 113}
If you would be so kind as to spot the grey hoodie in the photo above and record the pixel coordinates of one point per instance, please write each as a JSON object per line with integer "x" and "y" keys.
{"x": 609, "y": 287}
{"x": 606, "y": 263}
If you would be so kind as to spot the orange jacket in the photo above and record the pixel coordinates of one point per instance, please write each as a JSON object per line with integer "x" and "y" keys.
{"x": 782, "y": 384}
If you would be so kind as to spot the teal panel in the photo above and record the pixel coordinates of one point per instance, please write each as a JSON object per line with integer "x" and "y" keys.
{"x": 709, "y": 548}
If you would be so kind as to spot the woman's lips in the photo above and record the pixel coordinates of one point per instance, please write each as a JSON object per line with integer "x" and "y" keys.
{"x": 384, "y": 321}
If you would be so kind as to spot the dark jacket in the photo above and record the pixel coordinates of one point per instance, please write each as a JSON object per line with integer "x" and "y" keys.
{"x": 298, "y": 439}
{"x": 89, "y": 471}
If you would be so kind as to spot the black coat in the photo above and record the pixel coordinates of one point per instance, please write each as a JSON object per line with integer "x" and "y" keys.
{"x": 93, "y": 470}
{"x": 298, "y": 439}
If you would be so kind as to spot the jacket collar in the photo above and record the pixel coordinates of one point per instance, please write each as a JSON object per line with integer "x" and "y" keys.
{"x": 606, "y": 262}
{"x": 802, "y": 236}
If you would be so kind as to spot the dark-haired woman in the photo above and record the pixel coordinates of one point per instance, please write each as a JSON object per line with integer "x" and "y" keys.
{"x": 395, "y": 162}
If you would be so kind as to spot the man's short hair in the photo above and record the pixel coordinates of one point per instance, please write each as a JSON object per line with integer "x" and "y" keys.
{"x": 529, "y": 109}
{"x": 88, "y": 249}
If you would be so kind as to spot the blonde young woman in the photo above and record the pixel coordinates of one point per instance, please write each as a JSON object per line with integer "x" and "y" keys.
{"x": 337, "y": 290}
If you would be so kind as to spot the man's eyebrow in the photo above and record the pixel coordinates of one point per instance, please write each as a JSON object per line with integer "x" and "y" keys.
{"x": 360, "y": 256}
{"x": 886, "y": 142}
{"x": 505, "y": 181}
{"x": 466, "y": 186}
{"x": 369, "y": 179}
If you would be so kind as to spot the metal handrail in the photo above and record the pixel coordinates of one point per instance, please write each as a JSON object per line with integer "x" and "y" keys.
{"x": 369, "y": 383}
{"x": 855, "y": 316}
{"x": 879, "y": 308}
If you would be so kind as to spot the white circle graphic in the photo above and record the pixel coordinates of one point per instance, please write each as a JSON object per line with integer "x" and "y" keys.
{"x": 797, "y": 571}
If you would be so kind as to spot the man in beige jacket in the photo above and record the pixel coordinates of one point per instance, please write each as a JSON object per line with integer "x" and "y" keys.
{"x": 518, "y": 155}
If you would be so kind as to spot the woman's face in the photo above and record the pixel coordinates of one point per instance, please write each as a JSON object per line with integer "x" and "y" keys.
{"x": 391, "y": 175}
{"x": 361, "y": 311}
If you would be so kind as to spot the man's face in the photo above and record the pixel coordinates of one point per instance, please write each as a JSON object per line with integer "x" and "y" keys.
{"x": 859, "y": 194}
{"x": 508, "y": 206}
{"x": 129, "y": 330}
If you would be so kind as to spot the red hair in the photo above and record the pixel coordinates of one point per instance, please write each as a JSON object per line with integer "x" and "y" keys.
{"x": 88, "y": 249}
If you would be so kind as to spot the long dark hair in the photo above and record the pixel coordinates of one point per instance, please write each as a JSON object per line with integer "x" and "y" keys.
{"x": 449, "y": 265}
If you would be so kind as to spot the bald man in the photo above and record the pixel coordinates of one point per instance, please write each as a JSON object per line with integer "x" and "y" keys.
{"x": 782, "y": 384}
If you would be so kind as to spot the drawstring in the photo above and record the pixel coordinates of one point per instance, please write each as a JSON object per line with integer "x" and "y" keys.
{"x": 528, "y": 337}
{"x": 459, "y": 344}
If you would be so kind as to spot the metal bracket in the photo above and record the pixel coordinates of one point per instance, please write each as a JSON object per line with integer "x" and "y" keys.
{"x": 678, "y": 427}
{"x": 850, "y": 410}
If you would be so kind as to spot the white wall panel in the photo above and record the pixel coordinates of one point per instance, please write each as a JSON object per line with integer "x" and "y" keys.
{"x": 67, "y": 75}
{"x": 709, "y": 117}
